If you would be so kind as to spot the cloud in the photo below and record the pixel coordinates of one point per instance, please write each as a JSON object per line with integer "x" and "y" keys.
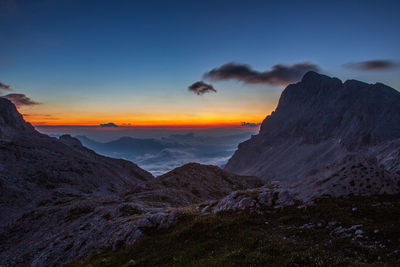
{"x": 110, "y": 124}
{"x": 20, "y": 100}
{"x": 373, "y": 65}
{"x": 249, "y": 124}
{"x": 279, "y": 74}
{"x": 5, "y": 87}
{"x": 41, "y": 116}
{"x": 201, "y": 88}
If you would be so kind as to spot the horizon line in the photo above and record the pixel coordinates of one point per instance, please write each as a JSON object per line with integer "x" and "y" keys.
{"x": 161, "y": 126}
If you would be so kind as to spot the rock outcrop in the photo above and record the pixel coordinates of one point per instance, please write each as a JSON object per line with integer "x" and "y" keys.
{"x": 11, "y": 122}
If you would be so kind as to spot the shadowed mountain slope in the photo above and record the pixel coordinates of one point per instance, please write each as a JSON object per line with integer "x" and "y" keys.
{"x": 39, "y": 170}
{"x": 318, "y": 121}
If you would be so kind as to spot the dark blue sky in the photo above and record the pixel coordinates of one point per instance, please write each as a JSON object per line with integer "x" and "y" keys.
{"x": 132, "y": 61}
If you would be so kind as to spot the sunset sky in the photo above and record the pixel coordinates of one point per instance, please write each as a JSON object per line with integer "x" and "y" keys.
{"x": 131, "y": 62}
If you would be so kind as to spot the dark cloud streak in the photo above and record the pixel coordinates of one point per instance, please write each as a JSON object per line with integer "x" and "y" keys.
{"x": 279, "y": 74}
{"x": 20, "y": 100}
{"x": 201, "y": 88}
{"x": 5, "y": 87}
{"x": 373, "y": 65}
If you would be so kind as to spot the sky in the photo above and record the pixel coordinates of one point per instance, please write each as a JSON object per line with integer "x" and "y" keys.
{"x": 184, "y": 63}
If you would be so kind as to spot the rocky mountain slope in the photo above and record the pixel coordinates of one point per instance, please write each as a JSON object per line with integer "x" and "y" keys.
{"x": 38, "y": 170}
{"x": 60, "y": 232}
{"x": 60, "y": 200}
{"x": 318, "y": 121}
{"x": 351, "y": 176}
{"x": 193, "y": 183}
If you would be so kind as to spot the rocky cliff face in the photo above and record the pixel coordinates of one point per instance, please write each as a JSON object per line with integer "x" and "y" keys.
{"x": 318, "y": 121}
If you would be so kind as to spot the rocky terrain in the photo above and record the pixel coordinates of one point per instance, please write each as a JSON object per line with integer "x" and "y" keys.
{"x": 351, "y": 231}
{"x": 318, "y": 121}
{"x": 329, "y": 192}
{"x": 60, "y": 200}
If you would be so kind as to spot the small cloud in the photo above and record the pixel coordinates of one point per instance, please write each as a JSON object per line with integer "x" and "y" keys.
{"x": 5, "y": 87}
{"x": 41, "y": 116}
{"x": 110, "y": 124}
{"x": 279, "y": 74}
{"x": 20, "y": 100}
{"x": 249, "y": 124}
{"x": 201, "y": 88}
{"x": 373, "y": 65}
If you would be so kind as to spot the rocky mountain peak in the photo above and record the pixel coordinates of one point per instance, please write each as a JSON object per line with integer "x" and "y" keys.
{"x": 11, "y": 122}
{"x": 312, "y": 77}
{"x": 317, "y": 121}
{"x": 312, "y": 84}
{"x": 319, "y": 107}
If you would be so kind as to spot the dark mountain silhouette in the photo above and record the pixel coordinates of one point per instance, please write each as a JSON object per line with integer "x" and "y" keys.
{"x": 126, "y": 147}
{"x": 318, "y": 121}
{"x": 11, "y": 122}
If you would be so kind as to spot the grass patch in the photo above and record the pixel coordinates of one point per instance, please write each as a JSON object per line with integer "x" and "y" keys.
{"x": 275, "y": 238}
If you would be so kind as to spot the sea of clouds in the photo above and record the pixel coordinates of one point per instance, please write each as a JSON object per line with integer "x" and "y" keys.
{"x": 159, "y": 151}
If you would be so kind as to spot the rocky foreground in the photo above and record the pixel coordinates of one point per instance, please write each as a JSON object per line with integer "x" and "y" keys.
{"x": 351, "y": 231}
{"x": 63, "y": 203}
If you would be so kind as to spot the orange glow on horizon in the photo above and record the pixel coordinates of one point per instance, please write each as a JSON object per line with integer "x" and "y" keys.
{"x": 200, "y": 122}
{"x": 175, "y": 116}
{"x": 161, "y": 121}
{"x": 189, "y": 124}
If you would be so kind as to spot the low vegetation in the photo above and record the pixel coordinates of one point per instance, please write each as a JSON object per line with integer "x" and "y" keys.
{"x": 353, "y": 231}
